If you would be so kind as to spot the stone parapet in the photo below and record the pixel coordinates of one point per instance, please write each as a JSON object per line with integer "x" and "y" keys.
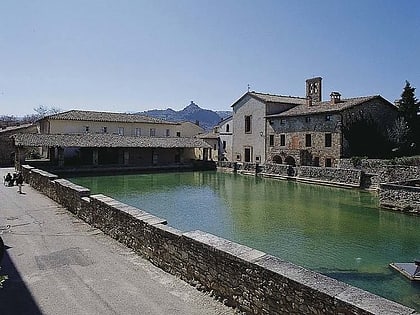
{"x": 248, "y": 279}
{"x": 332, "y": 176}
{"x": 401, "y": 196}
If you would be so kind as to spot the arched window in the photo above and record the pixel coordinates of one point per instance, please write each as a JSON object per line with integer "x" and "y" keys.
{"x": 277, "y": 159}
{"x": 290, "y": 161}
{"x": 227, "y": 127}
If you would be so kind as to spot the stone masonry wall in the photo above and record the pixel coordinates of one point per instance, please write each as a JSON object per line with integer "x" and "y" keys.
{"x": 401, "y": 196}
{"x": 339, "y": 176}
{"x": 381, "y": 171}
{"x": 242, "y": 277}
{"x": 318, "y": 175}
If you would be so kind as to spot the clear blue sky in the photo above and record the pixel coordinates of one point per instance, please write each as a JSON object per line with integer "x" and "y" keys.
{"x": 137, "y": 55}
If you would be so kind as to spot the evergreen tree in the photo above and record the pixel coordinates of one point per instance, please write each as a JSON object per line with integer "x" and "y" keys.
{"x": 409, "y": 110}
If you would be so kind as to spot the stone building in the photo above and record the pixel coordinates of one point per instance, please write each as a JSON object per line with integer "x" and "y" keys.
{"x": 301, "y": 131}
{"x": 250, "y": 124}
{"x": 7, "y": 148}
{"x": 225, "y": 131}
{"x": 102, "y": 138}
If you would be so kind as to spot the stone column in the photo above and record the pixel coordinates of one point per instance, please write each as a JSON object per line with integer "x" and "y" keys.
{"x": 60, "y": 155}
{"x": 95, "y": 157}
{"x": 126, "y": 156}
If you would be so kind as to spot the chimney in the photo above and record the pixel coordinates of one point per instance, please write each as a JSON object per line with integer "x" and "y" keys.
{"x": 335, "y": 98}
{"x": 309, "y": 101}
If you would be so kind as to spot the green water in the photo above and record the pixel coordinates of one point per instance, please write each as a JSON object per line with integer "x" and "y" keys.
{"x": 338, "y": 232}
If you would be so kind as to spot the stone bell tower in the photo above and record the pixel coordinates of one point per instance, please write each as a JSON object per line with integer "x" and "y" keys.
{"x": 313, "y": 89}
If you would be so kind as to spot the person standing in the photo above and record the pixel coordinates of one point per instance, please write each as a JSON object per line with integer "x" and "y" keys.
{"x": 19, "y": 182}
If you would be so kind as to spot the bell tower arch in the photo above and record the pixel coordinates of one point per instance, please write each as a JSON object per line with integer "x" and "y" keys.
{"x": 314, "y": 89}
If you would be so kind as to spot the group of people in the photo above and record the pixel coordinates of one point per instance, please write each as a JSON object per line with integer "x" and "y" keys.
{"x": 17, "y": 179}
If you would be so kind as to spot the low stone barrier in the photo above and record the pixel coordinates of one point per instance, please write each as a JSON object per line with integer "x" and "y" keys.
{"x": 242, "y": 277}
{"x": 331, "y": 176}
{"x": 310, "y": 174}
{"x": 401, "y": 196}
{"x": 382, "y": 171}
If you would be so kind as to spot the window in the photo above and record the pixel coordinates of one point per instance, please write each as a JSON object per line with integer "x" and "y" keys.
{"x": 257, "y": 158}
{"x": 328, "y": 162}
{"x": 104, "y": 129}
{"x": 86, "y": 129}
{"x": 271, "y": 141}
{"x": 224, "y": 145}
{"x": 138, "y": 132}
{"x": 327, "y": 117}
{"x": 167, "y": 132}
{"x": 152, "y": 132}
{"x": 121, "y": 131}
{"x": 178, "y": 133}
{"x": 328, "y": 140}
{"x": 238, "y": 157}
{"x": 282, "y": 121}
{"x": 282, "y": 140}
{"x": 227, "y": 127}
{"x": 248, "y": 124}
{"x": 214, "y": 147}
{"x": 308, "y": 119}
{"x": 308, "y": 140}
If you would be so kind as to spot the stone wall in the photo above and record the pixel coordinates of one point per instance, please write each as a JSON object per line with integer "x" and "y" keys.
{"x": 310, "y": 174}
{"x": 333, "y": 176}
{"x": 242, "y": 277}
{"x": 401, "y": 196}
{"x": 382, "y": 171}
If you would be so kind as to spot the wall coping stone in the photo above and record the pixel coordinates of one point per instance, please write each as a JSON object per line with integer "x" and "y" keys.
{"x": 169, "y": 229}
{"x": 300, "y": 274}
{"x": 138, "y": 214}
{"x": 83, "y": 191}
{"x": 241, "y": 251}
{"x": 44, "y": 174}
{"x": 373, "y": 303}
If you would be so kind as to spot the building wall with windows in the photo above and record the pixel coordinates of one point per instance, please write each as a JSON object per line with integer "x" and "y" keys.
{"x": 225, "y": 130}
{"x": 248, "y": 143}
{"x": 144, "y": 129}
{"x": 188, "y": 129}
{"x": 315, "y": 138}
{"x": 305, "y": 140}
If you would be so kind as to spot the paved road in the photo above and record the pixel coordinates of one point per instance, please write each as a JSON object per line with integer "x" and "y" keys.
{"x": 57, "y": 264}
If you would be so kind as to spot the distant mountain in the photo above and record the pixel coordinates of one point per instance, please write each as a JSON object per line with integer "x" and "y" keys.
{"x": 206, "y": 118}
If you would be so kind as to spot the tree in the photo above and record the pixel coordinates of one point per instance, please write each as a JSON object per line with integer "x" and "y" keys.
{"x": 41, "y": 112}
{"x": 365, "y": 137}
{"x": 408, "y": 107}
{"x": 398, "y": 135}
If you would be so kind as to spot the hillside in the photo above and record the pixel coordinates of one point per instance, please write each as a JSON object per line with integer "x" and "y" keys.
{"x": 206, "y": 118}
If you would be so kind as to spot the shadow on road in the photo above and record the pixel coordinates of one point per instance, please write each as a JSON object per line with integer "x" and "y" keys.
{"x": 15, "y": 298}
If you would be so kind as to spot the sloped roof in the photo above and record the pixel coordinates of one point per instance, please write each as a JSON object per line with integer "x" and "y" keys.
{"x": 13, "y": 129}
{"x": 105, "y": 140}
{"x": 272, "y": 98}
{"x": 208, "y": 135}
{"x": 327, "y": 107}
{"x": 107, "y": 117}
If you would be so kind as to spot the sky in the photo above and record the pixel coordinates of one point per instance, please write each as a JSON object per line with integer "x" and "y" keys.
{"x": 135, "y": 55}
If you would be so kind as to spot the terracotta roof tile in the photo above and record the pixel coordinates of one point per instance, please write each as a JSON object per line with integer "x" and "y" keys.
{"x": 272, "y": 98}
{"x": 106, "y": 140}
{"x": 324, "y": 107}
{"x": 107, "y": 117}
